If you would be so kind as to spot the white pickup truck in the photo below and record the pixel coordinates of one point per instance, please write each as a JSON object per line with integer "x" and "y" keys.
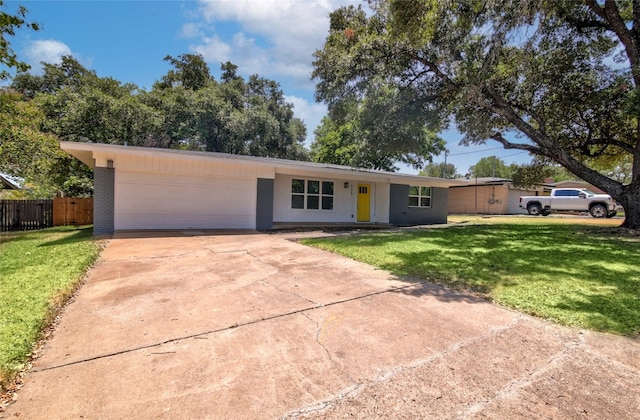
{"x": 570, "y": 199}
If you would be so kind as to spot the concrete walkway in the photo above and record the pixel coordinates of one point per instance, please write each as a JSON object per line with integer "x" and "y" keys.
{"x": 240, "y": 325}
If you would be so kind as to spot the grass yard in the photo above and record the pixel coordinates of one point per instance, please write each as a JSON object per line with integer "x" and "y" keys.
{"x": 585, "y": 276}
{"x": 39, "y": 271}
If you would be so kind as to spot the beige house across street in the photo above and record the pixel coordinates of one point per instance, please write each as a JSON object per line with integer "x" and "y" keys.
{"x": 488, "y": 196}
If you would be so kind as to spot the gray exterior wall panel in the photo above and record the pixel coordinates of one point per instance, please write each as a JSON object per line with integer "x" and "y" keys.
{"x": 402, "y": 215}
{"x": 103, "y": 201}
{"x": 264, "y": 204}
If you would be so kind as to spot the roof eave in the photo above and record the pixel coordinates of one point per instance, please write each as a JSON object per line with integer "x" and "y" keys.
{"x": 85, "y": 153}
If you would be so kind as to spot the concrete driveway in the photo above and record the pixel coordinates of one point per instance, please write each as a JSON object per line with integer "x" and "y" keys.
{"x": 240, "y": 325}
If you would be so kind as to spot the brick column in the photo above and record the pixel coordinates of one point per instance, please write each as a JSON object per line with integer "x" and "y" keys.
{"x": 103, "y": 201}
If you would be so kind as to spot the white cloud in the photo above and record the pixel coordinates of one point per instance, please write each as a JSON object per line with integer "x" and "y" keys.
{"x": 48, "y": 50}
{"x": 309, "y": 112}
{"x": 273, "y": 38}
{"x": 191, "y": 30}
{"x": 213, "y": 49}
{"x": 277, "y": 37}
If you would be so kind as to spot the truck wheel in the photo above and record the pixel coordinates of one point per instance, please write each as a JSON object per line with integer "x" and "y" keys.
{"x": 534, "y": 209}
{"x": 545, "y": 212}
{"x": 611, "y": 214}
{"x": 598, "y": 211}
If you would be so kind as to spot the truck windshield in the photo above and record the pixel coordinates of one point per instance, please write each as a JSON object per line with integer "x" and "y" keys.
{"x": 586, "y": 191}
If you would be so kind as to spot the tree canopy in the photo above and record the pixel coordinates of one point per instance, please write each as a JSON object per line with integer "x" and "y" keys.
{"x": 187, "y": 108}
{"x": 24, "y": 149}
{"x": 558, "y": 79}
{"x": 357, "y": 140}
{"x": 9, "y": 23}
{"x": 492, "y": 166}
{"x": 440, "y": 170}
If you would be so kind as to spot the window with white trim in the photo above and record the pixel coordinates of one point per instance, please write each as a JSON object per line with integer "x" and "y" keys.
{"x": 419, "y": 196}
{"x": 309, "y": 194}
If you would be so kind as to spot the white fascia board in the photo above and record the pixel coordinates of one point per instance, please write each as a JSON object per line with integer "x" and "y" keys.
{"x": 279, "y": 166}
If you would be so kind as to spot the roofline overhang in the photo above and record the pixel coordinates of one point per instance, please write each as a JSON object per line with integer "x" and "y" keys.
{"x": 85, "y": 152}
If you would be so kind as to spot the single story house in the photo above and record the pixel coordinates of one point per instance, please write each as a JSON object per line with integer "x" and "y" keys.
{"x": 9, "y": 183}
{"x": 572, "y": 184}
{"x": 488, "y": 195}
{"x": 138, "y": 188}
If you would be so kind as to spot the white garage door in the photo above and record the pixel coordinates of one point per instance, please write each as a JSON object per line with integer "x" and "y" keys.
{"x": 156, "y": 201}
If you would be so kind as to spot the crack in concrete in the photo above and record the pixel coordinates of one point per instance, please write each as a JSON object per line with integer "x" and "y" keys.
{"x": 326, "y": 350}
{"x": 348, "y": 392}
{"x": 515, "y": 386}
{"x": 359, "y": 387}
{"x": 229, "y": 251}
{"x": 290, "y": 292}
{"x": 217, "y": 330}
{"x": 275, "y": 286}
{"x": 449, "y": 350}
{"x": 318, "y": 331}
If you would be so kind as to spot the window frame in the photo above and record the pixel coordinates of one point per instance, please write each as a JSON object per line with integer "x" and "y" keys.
{"x": 320, "y": 195}
{"x": 420, "y": 196}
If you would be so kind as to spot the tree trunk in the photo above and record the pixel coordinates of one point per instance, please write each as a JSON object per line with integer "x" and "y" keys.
{"x": 630, "y": 200}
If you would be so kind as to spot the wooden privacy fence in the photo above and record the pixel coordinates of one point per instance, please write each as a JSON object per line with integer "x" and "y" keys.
{"x": 72, "y": 211}
{"x": 40, "y": 214}
{"x": 25, "y": 214}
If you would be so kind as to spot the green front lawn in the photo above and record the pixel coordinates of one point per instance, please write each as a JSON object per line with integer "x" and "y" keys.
{"x": 39, "y": 271}
{"x": 581, "y": 276}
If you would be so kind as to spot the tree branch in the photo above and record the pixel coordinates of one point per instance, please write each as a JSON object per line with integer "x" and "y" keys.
{"x": 502, "y": 108}
{"x": 611, "y": 15}
{"x": 497, "y": 136}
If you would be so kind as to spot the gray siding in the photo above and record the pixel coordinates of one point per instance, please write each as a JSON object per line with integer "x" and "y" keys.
{"x": 264, "y": 204}
{"x": 402, "y": 215}
{"x": 103, "y": 201}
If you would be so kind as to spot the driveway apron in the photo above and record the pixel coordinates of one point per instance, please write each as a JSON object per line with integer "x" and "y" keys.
{"x": 246, "y": 325}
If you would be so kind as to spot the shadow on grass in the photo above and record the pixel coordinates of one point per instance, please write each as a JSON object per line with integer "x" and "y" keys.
{"x": 80, "y": 234}
{"x": 561, "y": 272}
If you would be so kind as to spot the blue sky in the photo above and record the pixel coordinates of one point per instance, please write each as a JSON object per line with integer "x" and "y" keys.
{"x": 127, "y": 40}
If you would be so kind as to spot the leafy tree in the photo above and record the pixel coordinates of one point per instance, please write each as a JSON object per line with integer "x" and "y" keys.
{"x": 187, "y": 108}
{"x": 619, "y": 169}
{"x": 367, "y": 134}
{"x": 71, "y": 177}
{"x": 28, "y": 152}
{"x": 9, "y": 23}
{"x": 492, "y": 166}
{"x": 440, "y": 170}
{"x": 558, "y": 79}
{"x": 334, "y": 144}
{"x": 539, "y": 170}
{"x": 68, "y": 73}
{"x": 80, "y": 106}
{"x": 342, "y": 145}
{"x": 233, "y": 116}
{"x": 189, "y": 71}
{"x": 24, "y": 150}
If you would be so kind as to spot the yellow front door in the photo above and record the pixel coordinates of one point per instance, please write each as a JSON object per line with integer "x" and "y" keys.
{"x": 364, "y": 202}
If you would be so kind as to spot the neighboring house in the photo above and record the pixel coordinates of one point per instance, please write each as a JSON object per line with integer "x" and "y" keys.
{"x": 572, "y": 184}
{"x": 137, "y": 188}
{"x": 488, "y": 196}
{"x": 8, "y": 182}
